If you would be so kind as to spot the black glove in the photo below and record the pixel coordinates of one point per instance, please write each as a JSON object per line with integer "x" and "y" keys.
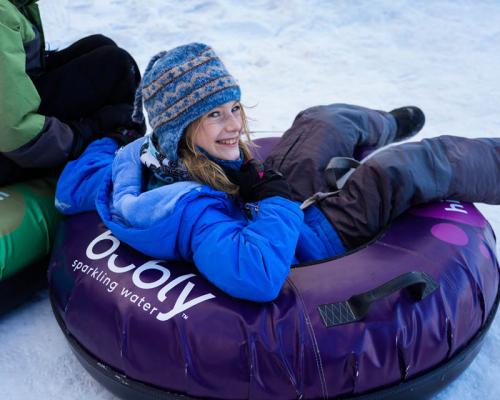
{"x": 111, "y": 118}
{"x": 256, "y": 183}
{"x": 107, "y": 121}
{"x": 125, "y": 136}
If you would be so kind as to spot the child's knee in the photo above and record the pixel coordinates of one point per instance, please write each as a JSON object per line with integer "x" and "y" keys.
{"x": 332, "y": 115}
{"x": 119, "y": 61}
{"x": 99, "y": 40}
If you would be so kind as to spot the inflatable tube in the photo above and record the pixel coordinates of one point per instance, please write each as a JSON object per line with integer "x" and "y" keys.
{"x": 28, "y": 222}
{"x": 398, "y": 318}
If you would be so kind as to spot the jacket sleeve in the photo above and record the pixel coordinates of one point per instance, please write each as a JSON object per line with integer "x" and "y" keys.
{"x": 248, "y": 259}
{"x": 51, "y": 147}
{"x": 23, "y": 132}
{"x": 79, "y": 182}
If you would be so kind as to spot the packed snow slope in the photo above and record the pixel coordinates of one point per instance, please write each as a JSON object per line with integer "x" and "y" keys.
{"x": 443, "y": 56}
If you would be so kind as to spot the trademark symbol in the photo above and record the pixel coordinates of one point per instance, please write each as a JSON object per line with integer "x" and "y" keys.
{"x": 184, "y": 316}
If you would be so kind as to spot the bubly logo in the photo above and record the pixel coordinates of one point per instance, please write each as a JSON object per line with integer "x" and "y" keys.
{"x": 450, "y": 217}
{"x": 455, "y": 206}
{"x": 162, "y": 283}
{"x": 452, "y": 210}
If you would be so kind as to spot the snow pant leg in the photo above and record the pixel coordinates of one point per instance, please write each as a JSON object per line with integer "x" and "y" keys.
{"x": 402, "y": 176}
{"x": 55, "y": 59}
{"x": 104, "y": 76}
{"x": 320, "y": 133}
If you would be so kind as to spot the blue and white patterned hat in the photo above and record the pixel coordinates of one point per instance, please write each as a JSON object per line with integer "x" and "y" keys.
{"x": 178, "y": 87}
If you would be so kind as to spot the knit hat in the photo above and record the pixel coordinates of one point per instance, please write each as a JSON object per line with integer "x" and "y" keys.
{"x": 178, "y": 87}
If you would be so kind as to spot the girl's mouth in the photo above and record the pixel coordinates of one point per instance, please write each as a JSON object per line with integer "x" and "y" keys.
{"x": 228, "y": 142}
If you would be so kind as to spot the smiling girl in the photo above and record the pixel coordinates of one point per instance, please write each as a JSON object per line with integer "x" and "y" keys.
{"x": 192, "y": 191}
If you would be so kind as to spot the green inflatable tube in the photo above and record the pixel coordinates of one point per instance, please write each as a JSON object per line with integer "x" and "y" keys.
{"x": 28, "y": 222}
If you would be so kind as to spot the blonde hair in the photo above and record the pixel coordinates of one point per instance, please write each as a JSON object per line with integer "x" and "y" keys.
{"x": 204, "y": 170}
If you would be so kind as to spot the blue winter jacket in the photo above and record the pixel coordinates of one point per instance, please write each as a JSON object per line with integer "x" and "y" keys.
{"x": 248, "y": 257}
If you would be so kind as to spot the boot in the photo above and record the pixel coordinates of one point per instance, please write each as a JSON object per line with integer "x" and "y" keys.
{"x": 410, "y": 121}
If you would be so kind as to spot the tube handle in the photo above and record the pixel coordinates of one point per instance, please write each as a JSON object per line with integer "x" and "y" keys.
{"x": 418, "y": 284}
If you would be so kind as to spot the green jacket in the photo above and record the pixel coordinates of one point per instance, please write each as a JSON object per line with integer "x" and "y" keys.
{"x": 26, "y": 137}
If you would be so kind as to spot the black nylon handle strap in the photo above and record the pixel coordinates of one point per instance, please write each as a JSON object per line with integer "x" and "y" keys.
{"x": 418, "y": 284}
{"x": 338, "y": 171}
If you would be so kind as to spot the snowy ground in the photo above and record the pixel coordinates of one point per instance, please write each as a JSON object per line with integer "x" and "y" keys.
{"x": 443, "y": 56}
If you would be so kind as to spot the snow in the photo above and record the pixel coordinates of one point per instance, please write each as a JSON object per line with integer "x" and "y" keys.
{"x": 443, "y": 56}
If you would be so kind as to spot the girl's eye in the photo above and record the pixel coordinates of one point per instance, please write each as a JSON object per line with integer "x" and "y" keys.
{"x": 236, "y": 108}
{"x": 214, "y": 114}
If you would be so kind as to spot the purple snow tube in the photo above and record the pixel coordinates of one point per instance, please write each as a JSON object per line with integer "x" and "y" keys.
{"x": 399, "y": 318}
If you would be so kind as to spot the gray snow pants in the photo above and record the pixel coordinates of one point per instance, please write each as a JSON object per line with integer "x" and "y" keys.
{"x": 390, "y": 181}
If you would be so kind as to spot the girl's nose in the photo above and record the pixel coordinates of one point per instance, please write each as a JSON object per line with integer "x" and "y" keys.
{"x": 233, "y": 123}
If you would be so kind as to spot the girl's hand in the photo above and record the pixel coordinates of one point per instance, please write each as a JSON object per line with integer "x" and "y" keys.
{"x": 256, "y": 183}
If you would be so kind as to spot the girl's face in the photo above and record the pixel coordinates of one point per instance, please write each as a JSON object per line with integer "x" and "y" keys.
{"x": 219, "y": 131}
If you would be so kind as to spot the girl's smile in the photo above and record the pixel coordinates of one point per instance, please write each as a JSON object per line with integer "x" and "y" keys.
{"x": 219, "y": 131}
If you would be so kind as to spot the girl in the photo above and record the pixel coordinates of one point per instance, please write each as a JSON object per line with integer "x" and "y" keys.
{"x": 192, "y": 191}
